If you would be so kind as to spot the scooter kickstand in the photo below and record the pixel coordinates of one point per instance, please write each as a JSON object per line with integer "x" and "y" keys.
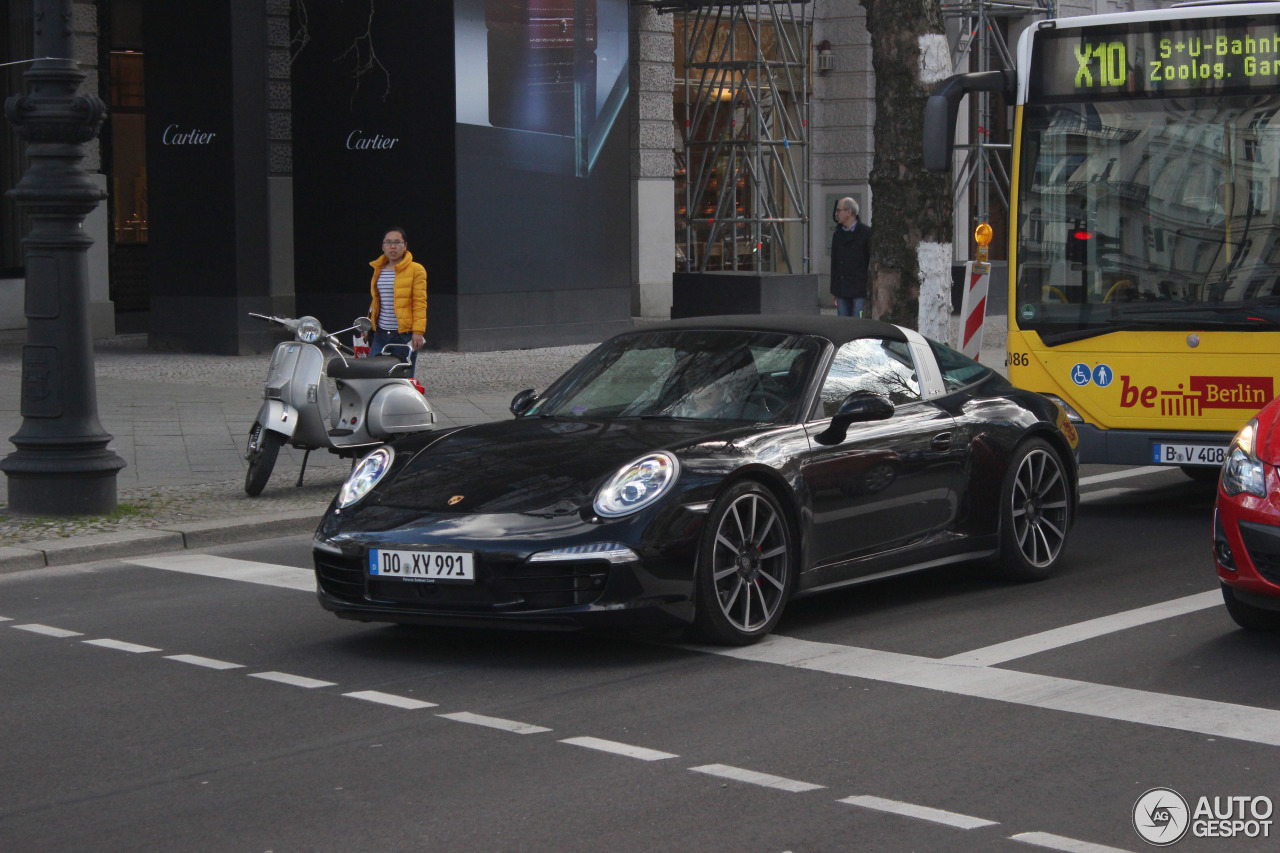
{"x": 304, "y": 468}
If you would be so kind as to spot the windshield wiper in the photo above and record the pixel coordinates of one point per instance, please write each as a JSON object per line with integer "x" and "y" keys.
{"x": 1054, "y": 339}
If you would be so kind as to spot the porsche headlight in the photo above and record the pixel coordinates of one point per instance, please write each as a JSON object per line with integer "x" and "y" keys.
{"x": 637, "y": 485}
{"x": 309, "y": 330}
{"x": 1243, "y": 471}
{"x": 366, "y": 475}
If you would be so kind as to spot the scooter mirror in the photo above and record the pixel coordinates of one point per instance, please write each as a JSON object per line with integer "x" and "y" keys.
{"x": 364, "y": 324}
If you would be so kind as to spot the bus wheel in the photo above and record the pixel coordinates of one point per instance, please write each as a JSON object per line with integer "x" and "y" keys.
{"x": 1202, "y": 473}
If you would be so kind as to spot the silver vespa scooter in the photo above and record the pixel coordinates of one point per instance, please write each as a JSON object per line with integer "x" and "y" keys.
{"x": 318, "y": 395}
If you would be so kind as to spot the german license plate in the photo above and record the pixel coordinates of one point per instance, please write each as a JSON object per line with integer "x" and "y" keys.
{"x": 1188, "y": 454}
{"x": 422, "y": 566}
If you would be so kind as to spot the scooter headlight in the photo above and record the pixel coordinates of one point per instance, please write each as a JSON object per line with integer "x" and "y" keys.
{"x": 309, "y": 330}
{"x": 366, "y": 475}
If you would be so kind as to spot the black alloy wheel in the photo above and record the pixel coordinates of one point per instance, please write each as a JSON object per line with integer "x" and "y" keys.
{"x": 262, "y": 460}
{"x": 1035, "y": 512}
{"x": 745, "y": 567}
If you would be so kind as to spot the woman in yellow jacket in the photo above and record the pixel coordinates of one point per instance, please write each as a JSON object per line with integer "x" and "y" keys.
{"x": 399, "y": 287}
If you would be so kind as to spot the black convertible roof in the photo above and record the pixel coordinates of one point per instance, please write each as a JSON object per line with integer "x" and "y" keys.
{"x": 838, "y": 330}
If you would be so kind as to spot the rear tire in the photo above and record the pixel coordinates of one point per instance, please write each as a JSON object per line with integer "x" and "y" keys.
{"x": 1035, "y": 512}
{"x": 1246, "y": 615}
{"x": 746, "y": 567}
{"x": 262, "y": 460}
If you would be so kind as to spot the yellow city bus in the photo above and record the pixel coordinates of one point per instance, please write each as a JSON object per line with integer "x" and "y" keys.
{"x": 1144, "y": 253}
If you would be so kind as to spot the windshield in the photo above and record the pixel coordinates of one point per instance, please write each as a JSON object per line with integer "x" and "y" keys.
{"x": 698, "y": 374}
{"x": 1149, "y": 214}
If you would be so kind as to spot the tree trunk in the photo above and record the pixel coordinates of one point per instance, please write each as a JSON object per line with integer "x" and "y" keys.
{"x": 911, "y": 243}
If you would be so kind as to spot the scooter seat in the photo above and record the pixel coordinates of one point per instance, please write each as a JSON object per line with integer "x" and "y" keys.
{"x": 374, "y": 367}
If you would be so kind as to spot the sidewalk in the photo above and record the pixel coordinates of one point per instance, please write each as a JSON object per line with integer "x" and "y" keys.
{"x": 180, "y": 422}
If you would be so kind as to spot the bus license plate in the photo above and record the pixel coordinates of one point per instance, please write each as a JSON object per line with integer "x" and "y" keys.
{"x": 1189, "y": 454}
{"x": 428, "y": 566}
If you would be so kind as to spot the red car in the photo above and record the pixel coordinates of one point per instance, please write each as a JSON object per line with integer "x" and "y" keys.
{"x": 1246, "y": 523}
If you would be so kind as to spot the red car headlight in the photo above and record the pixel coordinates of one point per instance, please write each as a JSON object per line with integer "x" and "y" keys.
{"x": 1243, "y": 472}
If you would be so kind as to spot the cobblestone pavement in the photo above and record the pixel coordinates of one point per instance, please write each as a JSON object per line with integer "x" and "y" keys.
{"x": 180, "y": 422}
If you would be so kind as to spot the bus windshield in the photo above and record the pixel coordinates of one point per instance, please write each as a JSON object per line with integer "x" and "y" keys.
{"x": 1149, "y": 214}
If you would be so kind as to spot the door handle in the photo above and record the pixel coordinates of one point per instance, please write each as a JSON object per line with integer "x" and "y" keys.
{"x": 942, "y": 441}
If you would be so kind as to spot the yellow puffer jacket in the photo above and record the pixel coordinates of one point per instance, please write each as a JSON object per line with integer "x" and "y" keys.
{"x": 411, "y": 294}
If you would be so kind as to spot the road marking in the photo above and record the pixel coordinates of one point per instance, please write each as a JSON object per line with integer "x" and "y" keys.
{"x": 960, "y": 821}
{"x": 619, "y": 748}
{"x": 295, "y": 680}
{"x": 494, "y": 723}
{"x": 120, "y": 645}
{"x": 1058, "y": 842}
{"x": 248, "y": 571}
{"x": 1220, "y": 719}
{"x": 1068, "y": 634}
{"x": 390, "y": 699}
{"x": 47, "y": 630}
{"x": 737, "y": 774}
{"x": 207, "y": 663}
{"x": 1121, "y": 475}
{"x": 5, "y": 619}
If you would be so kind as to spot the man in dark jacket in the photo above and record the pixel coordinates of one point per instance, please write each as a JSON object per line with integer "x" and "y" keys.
{"x": 850, "y": 255}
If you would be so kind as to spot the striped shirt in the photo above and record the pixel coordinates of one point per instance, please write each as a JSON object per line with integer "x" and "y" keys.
{"x": 387, "y": 299}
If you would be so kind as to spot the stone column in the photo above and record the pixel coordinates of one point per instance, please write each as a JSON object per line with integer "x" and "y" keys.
{"x": 652, "y": 163}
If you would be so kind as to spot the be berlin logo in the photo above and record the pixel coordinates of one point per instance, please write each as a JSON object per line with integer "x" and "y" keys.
{"x": 1162, "y": 817}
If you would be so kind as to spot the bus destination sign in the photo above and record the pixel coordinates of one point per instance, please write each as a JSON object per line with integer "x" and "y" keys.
{"x": 1214, "y": 56}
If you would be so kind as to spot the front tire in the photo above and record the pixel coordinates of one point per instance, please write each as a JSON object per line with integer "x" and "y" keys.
{"x": 746, "y": 567}
{"x": 1246, "y": 615}
{"x": 1035, "y": 512}
{"x": 262, "y": 460}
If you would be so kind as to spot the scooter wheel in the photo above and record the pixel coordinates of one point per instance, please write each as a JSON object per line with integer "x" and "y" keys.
{"x": 262, "y": 461}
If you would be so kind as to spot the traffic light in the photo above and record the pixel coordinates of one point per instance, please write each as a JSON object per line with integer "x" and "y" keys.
{"x": 1078, "y": 238}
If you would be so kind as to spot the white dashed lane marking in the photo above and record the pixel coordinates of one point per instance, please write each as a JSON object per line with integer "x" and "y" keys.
{"x": 494, "y": 723}
{"x": 960, "y": 821}
{"x": 766, "y": 780}
{"x": 619, "y": 748}
{"x": 121, "y": 646}
{"x": 1067, "y": 845}
{"x": 207, "y": 663}
{"x": 390, "y": 699}
{"x": 36, "y": 628}
{"x": 293, "y": 680}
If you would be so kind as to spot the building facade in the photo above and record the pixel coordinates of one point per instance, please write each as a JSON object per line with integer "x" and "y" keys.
{"x": 255, "y": 150}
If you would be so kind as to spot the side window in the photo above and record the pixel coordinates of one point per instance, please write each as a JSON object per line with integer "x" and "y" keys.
{"x": 870, "y": 364}
{"x": 958, "y": 370}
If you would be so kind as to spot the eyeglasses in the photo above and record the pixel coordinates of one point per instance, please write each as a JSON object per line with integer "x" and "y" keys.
{"x": 393, "y": 242}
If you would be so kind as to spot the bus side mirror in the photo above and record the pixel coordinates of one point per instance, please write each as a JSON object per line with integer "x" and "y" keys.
{"x": 943, "y": 105}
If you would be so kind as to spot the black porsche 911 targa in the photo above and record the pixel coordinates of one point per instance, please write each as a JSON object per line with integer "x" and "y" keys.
{"x": 699, "y": 474}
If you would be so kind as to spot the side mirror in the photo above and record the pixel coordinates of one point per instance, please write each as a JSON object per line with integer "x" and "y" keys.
{"x": 523, "y": 401}
{"x": 859, "y": 407}
{"x": 363, "y": 324}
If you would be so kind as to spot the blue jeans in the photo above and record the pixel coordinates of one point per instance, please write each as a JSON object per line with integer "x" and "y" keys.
{"x": 382, "y": 337}
{"x": 851, "y": 307}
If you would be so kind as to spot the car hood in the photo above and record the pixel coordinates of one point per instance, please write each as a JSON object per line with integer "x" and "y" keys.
{"x": 543, "y": 466}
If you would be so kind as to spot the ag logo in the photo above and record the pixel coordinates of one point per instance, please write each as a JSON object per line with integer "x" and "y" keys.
{"x": 1161, "y": 816}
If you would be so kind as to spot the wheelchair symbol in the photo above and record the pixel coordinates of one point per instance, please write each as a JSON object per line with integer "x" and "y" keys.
{"x": 1081, "y": 375}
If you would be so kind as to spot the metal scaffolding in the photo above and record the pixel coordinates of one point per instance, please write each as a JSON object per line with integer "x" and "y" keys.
{"x": 745, "y": 160}
{"x": 982, "y": 47}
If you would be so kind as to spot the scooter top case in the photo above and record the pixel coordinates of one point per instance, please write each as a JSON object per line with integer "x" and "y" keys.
{"x": 395, "y": 407}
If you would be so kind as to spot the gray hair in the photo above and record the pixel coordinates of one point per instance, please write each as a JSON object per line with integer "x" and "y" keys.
{"x": 849, "y": 204}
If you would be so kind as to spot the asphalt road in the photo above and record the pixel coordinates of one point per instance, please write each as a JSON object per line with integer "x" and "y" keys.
{"x": 204, "y": 702}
